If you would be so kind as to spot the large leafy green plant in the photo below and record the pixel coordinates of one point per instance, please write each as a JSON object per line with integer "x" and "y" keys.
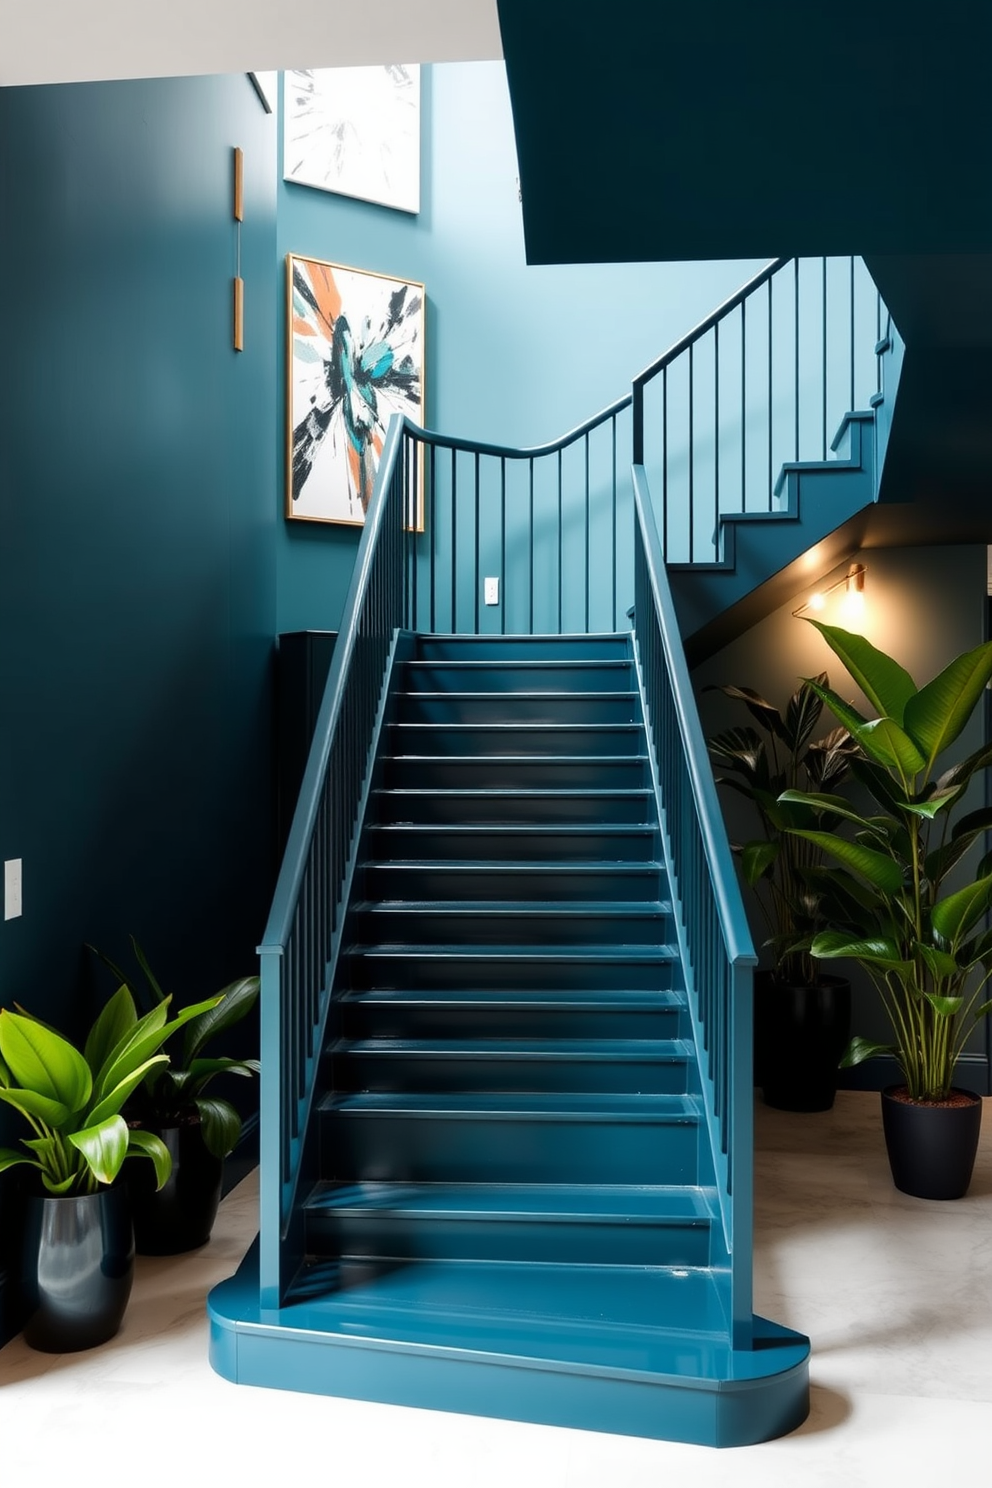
{"x": 761, "y": 766}
{"x": 923, "y": 945}
{"x": 73, "y": 1100}
{"x": 175, "y": 1092}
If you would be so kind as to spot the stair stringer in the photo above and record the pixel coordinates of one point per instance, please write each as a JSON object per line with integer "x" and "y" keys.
{"x": 825, "y": 506}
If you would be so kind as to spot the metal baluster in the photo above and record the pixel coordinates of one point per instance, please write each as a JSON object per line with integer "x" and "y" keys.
{"x": 824, "y": 359}
{"x": 454, "y": 542}
{"x": 692, "y": 460}
{"x": 502, "y": 543}
{"x": 478, "y": 567}
{"x": 560, "y": 539}
{"x": 586, "y": 448}
{"x": 795, "y": 454}
{"x": 770, "y": 396}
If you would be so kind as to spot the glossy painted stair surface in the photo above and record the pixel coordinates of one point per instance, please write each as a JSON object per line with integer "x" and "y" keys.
{"x": 513, "y": 1210}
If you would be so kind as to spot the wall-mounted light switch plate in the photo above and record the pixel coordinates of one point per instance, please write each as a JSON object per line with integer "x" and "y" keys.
{"x": 12, "y": 889}
{"x": 491, "y": 591}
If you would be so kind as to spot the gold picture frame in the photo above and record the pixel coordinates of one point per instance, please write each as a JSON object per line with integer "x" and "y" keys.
{"x": 354, "y": 357}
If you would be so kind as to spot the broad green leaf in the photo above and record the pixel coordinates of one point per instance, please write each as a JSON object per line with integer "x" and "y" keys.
{"x": 114, "y": 1100}
{"x": 148, "y": 1036}
{"x": 43, "y": 1061}
{"x": 860, "y": 1049}
{"x": 56, "y": 1186}
{"x": 929, "y": 808}
{"x": 877, "y": 951}
{"x": 936, "y": 715}
{"x": 887, "y": 685}
{"x": 885, "y": 741}
{"x": 878, "y": 782}
{"x": 944, "y": 1007}
{"x": 39, "y": 1107}
{"x": 146, "y": 1144}
{"x": 983, "y": 1011}
{"x": 848, "y": 715}
{"x": 973, "y": 823}
{"x": 955, "y": 915}
{"x": 939, "y": 863}
{"x": 941, "y": 964}
{"x": 878, "y": 868}
{"x": 10, "y": 1158}
{"x": 220, "y": 1124}
{"x": 117, "y": 1018}
{"x": 103, "y": 1146}
{"x": 837, "y": 805}
{"x": 202, "y": 1070}
{"x": 237, "y": 1000}
{"x": 962, "y": 772}
{"x": 756, "y": 860}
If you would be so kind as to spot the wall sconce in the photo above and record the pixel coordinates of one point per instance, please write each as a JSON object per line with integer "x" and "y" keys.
{"x": 852, "y": 601}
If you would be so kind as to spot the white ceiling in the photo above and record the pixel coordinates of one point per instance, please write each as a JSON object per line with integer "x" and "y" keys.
{"x": 61, "y": 41}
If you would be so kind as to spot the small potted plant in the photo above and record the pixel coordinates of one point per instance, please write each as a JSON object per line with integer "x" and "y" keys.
{"x": 78, "y": 1249}
{"x": 923, "y": 945}
{"x": 802, "y": 1016}
{"x": 199, "y": 1129}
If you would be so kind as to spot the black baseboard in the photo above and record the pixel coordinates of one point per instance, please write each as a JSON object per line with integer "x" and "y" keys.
{"x": 10, "y": 1307}
{"x": 973, "y": 1073}
{"x": 244, "y": 1159}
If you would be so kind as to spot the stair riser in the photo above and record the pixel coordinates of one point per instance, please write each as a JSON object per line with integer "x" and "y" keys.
{"x": 540, "y": 677}
{"x": 523, "y": 648}
{"x": 476, "y": 1147}
{"x": 417, "y": 925}
{"x": 506, "y": 707}
{"x": 396, "y": 1073}
{"x": 384, "y": 881}
{"x": 504, "y": 845}
{"x": 407, "y": 969}
{"x": 515, "y": 774}
{"x": 441, "y": 1021}
{"x": 486, "y": 741}
{"x": 483, "y": 809}
{"x": 429, "y": 1237}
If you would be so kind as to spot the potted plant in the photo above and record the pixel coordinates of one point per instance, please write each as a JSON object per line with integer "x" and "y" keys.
{"x": 923, "y": 945}
{"x": 78, "y": 1248}
{"x": 802, "y": 1016}
{"x": 199, "y": 1129}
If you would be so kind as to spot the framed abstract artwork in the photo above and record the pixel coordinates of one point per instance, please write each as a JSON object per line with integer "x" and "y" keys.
{"x": 355, "y": 356}
{"x": 355, "y": 131}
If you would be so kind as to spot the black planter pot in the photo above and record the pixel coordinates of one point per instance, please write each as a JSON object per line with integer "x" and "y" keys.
{"x": 180, "y": 1216}
{"x": 931, "y": 1148}
{"x": 77, "y": 1269}
{"x": 800, "y": 1034}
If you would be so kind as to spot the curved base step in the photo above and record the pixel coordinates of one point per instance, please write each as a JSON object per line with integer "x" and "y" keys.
{"x": 563, "y": 1349}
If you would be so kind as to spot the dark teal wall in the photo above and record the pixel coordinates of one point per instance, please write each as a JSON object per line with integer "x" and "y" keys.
{"x": 515, "y": 355}
{"x": 137, "y": 592}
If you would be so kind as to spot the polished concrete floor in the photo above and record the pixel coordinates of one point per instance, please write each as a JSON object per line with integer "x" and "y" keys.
{"x": 896, "y": 1294}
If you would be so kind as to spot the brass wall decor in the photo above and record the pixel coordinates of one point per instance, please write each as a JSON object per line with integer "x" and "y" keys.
{"x": 239, "y": 217}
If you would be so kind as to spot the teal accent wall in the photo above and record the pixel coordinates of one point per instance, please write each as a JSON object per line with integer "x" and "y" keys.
{"x": 137, "y": 589}
{"x": 515, "y": 354}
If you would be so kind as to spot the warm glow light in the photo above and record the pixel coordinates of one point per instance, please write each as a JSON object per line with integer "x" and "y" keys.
{"x": 816, "y": 602}
{"x": 849, "y": 605}
{"x": 852, "y": 605}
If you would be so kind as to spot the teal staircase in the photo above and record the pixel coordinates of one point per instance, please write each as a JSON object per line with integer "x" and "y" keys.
{"x": 513, "y": 1206}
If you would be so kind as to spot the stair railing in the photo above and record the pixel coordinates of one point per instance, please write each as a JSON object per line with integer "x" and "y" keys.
{"x": 303, "y": 934}
{"x": 766, "y": 378}
{"x": 552, "y": 523}
{"x": 712, "y": 926}
{"x": 444, "y": 515}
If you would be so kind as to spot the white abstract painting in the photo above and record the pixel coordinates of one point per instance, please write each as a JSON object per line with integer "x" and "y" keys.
{"x": 355, "y": 131}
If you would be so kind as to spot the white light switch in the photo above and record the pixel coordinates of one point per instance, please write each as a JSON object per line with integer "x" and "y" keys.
{"x": 492, "y": 591}
{"x": 12, "y": 888}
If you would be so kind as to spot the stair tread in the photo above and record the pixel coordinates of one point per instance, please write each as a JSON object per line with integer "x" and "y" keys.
{"x": 565, "y": 997}
{"x": 522, "y": 829}
{"x": 519, "y": 1048}
{"x": 566, "y": 1202}
{"x": 507, "y": 1104}
{"x": 613, "y": 1317}
{"x": 519, "y": 908}
{"x": 566, "y": 954}
{"x": 542, "y": 694}
{"x": 587, "y": 868}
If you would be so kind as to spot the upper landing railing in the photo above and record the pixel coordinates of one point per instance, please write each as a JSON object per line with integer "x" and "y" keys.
{"x": 766, "y": 379}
